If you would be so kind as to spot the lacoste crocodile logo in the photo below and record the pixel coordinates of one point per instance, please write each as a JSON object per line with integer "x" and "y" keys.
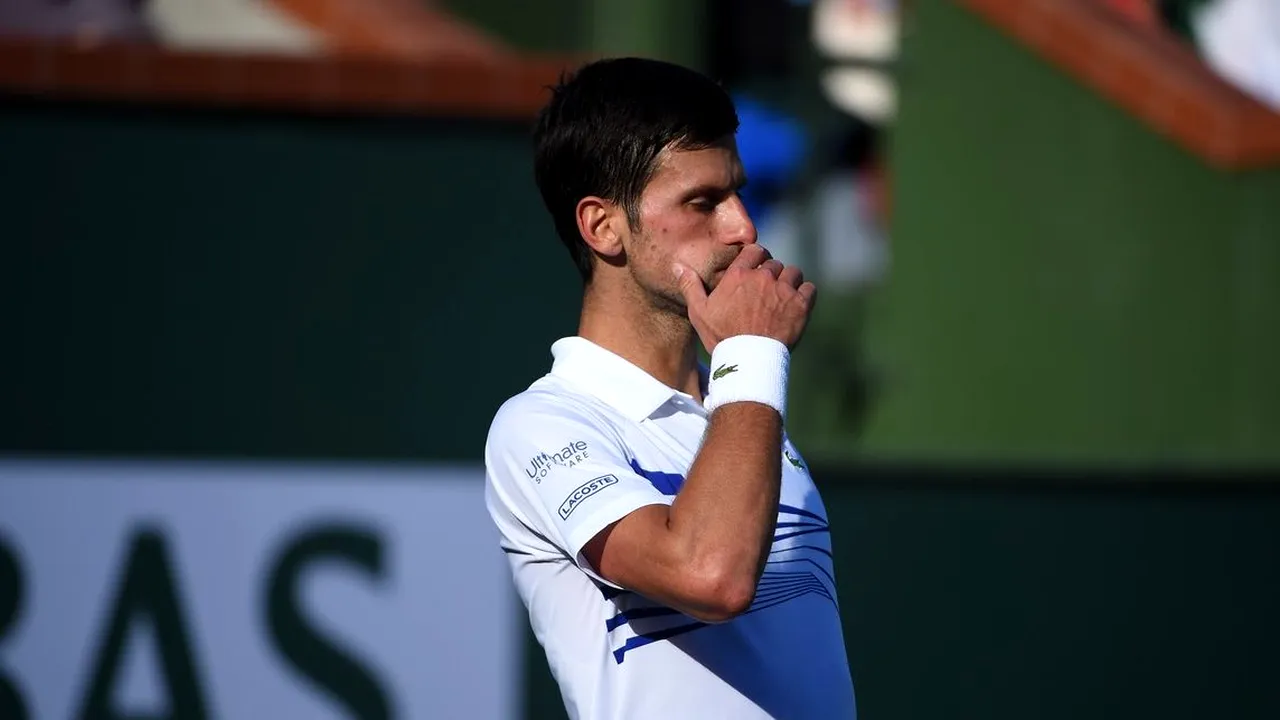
{"x": 797, "y": 462}
{"x": 723, "y": 370}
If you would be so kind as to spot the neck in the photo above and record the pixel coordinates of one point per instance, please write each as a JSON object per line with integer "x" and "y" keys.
{"x": 661, "y": 343}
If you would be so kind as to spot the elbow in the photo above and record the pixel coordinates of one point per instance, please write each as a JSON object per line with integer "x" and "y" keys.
{"x": 722, "y": 596}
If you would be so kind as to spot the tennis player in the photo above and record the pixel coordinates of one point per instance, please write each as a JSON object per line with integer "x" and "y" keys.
{"x": 665, "y": 535}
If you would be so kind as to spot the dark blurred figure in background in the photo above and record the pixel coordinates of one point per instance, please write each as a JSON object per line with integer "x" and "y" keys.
{"x": 814, "y": 82}
{"x": 392, "y": 29}
{"x": 83, "y": 20}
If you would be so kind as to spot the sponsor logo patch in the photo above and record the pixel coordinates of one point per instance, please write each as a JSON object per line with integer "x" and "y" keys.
{"x": 568, "y": 456}
{"x": 583, "y": 492}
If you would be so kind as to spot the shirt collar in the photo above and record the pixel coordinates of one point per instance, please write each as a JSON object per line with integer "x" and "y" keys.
{"x": 612, "y": 379}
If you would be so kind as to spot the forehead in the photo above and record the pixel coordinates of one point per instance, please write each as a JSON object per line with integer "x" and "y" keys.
{"x": 715, "y": 166}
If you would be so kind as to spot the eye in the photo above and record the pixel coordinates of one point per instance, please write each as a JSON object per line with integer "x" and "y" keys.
{"x": 703, "y": 204}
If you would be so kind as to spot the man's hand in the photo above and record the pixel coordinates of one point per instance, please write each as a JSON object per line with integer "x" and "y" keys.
{"x": 756, "y": 296}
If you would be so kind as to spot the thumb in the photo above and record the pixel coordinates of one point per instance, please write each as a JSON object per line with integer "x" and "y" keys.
{"x": 690, "y": 285}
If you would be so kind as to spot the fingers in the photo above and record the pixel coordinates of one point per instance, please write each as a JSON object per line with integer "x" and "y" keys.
{"x": 695, "y": 294}
{"x": 751, "y": 257}
{"x": 809, "y": 292}
{"x": 791, "y": 275}
{"x": 773, "y": 267}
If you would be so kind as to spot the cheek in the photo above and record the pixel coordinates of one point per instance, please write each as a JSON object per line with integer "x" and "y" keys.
{"x": 675, "y": 237}
{"x": 693, "y": 256}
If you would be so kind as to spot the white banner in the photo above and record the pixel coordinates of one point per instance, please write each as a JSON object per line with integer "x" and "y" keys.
{"x": 251, "y": 591}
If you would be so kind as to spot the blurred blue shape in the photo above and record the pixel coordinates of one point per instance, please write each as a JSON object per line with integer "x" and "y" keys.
{"x": 772, "y": 145}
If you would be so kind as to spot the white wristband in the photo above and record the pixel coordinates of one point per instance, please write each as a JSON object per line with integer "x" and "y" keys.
{"x": 748, "y": 368}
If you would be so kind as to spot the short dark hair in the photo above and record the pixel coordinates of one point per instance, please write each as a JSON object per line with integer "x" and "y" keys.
{"x": 604, "y": 127}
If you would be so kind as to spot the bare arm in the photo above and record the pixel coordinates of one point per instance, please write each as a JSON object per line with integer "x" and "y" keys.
{"x": 704, "y": 554}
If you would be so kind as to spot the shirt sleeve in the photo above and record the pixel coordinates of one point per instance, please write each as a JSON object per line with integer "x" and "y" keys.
{"x": 564, "y": 471}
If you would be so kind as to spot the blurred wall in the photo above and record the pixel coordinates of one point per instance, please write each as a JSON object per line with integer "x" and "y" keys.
{"x": 666, "y": 29}
{"x": 1065, "y": 284}
{"x": 561, "y": 26}
{"x": 284, "y": 290}
{"x": 245, "y": 284}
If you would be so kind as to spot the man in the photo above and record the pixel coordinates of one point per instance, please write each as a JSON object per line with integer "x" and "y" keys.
{"x": 664, "y": 534}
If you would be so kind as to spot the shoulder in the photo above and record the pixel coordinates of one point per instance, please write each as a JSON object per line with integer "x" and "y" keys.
{"x": 550, "y": 409}
{"x": 550, "y": 439}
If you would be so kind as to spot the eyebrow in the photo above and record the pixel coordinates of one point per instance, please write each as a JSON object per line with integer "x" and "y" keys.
{"x": 715, "y": 189}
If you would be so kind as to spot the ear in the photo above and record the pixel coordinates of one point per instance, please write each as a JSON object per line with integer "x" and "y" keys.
{"x": 602, "y": 224}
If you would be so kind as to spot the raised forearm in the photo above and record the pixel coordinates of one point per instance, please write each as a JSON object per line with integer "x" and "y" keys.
{"x": 724, "y": 517}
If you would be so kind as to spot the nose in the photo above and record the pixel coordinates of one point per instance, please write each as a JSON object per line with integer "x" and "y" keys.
{"x": 737, "y": 229}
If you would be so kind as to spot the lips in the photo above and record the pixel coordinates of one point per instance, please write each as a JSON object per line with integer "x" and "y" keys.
{"x": 725, "y": 265}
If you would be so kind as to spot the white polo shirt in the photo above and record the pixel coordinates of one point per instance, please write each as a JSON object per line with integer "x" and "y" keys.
{"x": 584, "y": 446}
